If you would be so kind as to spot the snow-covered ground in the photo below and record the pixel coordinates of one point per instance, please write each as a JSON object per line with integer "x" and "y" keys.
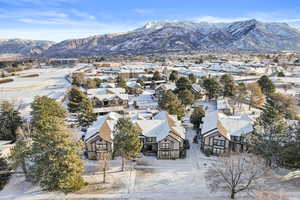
{"x": 50, "y": 82}
{"x": 147, "y": 178}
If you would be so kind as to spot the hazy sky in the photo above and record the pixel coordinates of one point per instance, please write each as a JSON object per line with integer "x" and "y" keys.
{"x": 65, "y": 19}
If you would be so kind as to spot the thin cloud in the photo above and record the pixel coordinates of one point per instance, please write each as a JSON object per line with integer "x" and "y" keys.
{"x": 83, "y": 14}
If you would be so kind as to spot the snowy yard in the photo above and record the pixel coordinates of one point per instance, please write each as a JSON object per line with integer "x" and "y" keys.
{"x": 147, "y": 178}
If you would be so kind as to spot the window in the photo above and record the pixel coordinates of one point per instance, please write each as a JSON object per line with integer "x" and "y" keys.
{"x": 165, "y": 154}
{"x": 219, "y": 142}
{"x": 218, "y": 151}
{"x": 150, "y": 139}
{"x": 165, "y": 145}
{"x": 101, "y": 145}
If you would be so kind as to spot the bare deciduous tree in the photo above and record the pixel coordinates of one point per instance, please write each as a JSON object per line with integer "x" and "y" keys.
{"x": 235, "y": 174}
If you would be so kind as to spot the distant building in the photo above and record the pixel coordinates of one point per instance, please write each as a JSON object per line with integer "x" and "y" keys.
{"x": 63, "y": 61}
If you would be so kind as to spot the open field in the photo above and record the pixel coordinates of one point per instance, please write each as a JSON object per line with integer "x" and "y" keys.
{"x": 50, "y": 82}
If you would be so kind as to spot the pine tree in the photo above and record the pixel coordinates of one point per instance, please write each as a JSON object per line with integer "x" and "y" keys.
{"x": 56, "y": 163}
{"x": 86, "y": 116}
{"x": 212, "y": 87}
{"x": 76, "y": 97}
{"x": 183, "y": 83}
{"x": 291, "y": 151}
{"x": 156, "y": 76}
{"x": 122, "y": 83}
{"x": 4, "y": 177}
{"x": 269, "y": 136}
{"x": 171, "y": 103}
{"x": 126, "y": 142}
{"x": 20, "y": 155}
{"x": 196, "y": 116}
{"x": 174, "y": 76}
{"x": 10, "y": 120}
{"x": 229, "y": 87}
{"x": 186, "y": 97}
{"x": 192, "y": 78}
{"x": 266, "y": 85}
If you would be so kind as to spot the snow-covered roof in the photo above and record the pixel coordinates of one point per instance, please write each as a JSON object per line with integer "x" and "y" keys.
{"x": 96, "y": 126}
{"x": 112, "y": 96}
{"x": 231, "y": 125}
{"x": 154, "y": 128}
{"x": 236, "y": 125}
{"x": 209, "y": 122}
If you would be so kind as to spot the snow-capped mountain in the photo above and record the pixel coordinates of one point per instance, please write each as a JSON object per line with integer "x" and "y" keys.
{"x": 184, "y": 36}
{"x": 24, "y": 47}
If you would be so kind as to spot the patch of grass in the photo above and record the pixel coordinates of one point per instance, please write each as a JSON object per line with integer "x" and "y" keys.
{"x": 6, "y": 80}
{"x": 29, "y": 75}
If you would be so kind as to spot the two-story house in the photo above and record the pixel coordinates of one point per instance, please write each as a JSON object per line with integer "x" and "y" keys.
{"x": 162, "y": 136}
{"x": 220, "y": 133}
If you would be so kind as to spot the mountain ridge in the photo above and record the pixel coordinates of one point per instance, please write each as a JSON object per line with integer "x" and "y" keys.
{"x": 157, "y": 37}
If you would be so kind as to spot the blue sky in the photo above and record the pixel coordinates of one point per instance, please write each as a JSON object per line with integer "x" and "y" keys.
{"x": 65, "y": 19}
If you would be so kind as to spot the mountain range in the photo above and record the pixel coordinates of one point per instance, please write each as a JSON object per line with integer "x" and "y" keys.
{"x": 169, "y": 37}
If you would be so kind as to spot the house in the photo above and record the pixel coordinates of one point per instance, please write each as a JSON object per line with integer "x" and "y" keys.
{"x": 162, "y": 136}
{"x": 107, "y": 100}
{"x": 99, "y": 137}
{"x": 162, "y": 89}
{"x": 220, "y": 133}
{"x": 197, "y": 90}
{"x": 223, "y": 106}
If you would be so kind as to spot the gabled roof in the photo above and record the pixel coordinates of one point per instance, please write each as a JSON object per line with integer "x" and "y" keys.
{"x": 103, "y": 126}
{"x": 154, "y": 128}
{"x": 226, "y": 125}
{"x": 209, "y": 122}
{"x": 173, "y": 123}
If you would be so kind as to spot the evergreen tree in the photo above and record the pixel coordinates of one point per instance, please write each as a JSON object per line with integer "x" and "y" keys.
{"x": 183, "y": 83}
{"x": 20, "y": 155}
{"x": 196, "y": 116}
{"x": 212, "y": 87}
{"x": 126, "y": 141}
{"x": 76, "y": 98}
{"x": 156, "y": 76}
{"x": 10, "y": 120}
{"x": 4, "y": 177}
{"x": 192, "y": 78}
{"x": 266, "y": 85}
{"x": 170, "y": 103}
{"x": 229, "y": 87}
{"x": 56, "y": 163}
{"x": 269, "y": 136}
{"x": 122, "y": 83}
{"x": 45, "y": 112}
{"x": 86, "y": 116}
{"x": 186, "y": 97}
{"x": 174, "y": 76}
{"x": 291, "y": 151}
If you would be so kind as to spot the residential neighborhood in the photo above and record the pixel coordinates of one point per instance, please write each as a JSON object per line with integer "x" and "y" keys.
{"x": 149, "y": 100}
